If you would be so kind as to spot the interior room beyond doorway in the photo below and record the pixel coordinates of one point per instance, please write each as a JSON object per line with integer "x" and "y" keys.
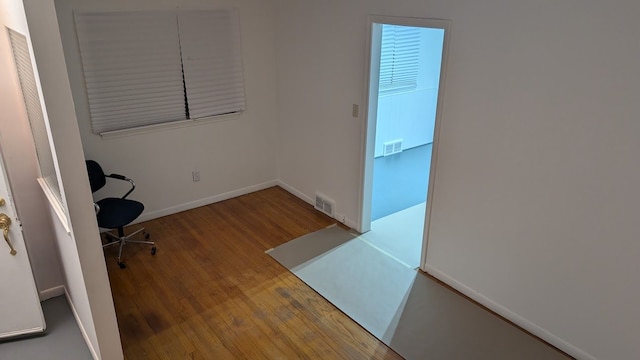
{"x": 406, "y": 63}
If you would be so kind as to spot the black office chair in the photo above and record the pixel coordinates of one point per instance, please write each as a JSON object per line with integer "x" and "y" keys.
{"x": 116, "y": 213}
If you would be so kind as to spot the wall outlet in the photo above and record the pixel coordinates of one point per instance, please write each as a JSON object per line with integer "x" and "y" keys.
{"x": 195, "y": 175}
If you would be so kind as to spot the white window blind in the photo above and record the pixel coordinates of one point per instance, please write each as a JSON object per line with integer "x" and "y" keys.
{"x": 212, "y": 59}
{"x": 399, "y": 58}
{"x": 33, "y": 106}
{"x": 145, "y": 68}
{"x": 132, "y": 68}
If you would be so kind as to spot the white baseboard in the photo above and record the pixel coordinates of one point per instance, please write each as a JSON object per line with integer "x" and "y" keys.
{"x": 299, "y": 194}
{"x": 51, "y": 292}
{"x": 508, "y": 314}
{"x": 87, "y": 341}
{"x": 296, "y": 192}
{"x": 235, "y": 193}
{"x": 205, "y": 201}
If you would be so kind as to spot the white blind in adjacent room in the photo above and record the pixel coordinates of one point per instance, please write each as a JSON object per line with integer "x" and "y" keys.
{"x": 399, "y": 58}
{"x": 212, "y": 60}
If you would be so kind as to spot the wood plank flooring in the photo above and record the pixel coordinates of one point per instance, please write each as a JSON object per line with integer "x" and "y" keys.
{"x": 211, "y": 292}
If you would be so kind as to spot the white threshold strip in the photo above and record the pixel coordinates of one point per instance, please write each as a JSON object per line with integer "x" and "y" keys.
{"x": 363, "y": 238}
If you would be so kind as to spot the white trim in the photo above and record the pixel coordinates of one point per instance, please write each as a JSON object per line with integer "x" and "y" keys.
{"x": 235, "y": 193}
{"x": 299, "y": 194}
{"x": 446, "y": 25}
{"x": 508, "y": 314}
{"x": 24, "y": 332}
{"x": 85, "y": 336}
{"x": 168, "y": 126}
{"x": 368, "y": 135}
{"x": 51, "y": 293}
{"x": 205, "y": 201}
{"x": 55, "y": 204}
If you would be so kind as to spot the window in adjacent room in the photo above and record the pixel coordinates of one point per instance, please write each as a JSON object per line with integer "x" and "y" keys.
{"x": 399, "y": 59}
{"x": 154, "y": 67}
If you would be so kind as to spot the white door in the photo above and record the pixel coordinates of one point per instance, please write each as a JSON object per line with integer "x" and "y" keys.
{"x": 20, "y": 310}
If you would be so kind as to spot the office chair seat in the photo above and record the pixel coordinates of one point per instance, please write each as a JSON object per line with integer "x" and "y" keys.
{"x": 115, "y": 212}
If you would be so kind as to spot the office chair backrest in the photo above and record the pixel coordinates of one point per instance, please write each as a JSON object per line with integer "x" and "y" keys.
{"x": 96, "y": 176}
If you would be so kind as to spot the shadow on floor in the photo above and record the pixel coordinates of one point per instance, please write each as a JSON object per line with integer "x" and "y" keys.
{"x": 414, "y": 315}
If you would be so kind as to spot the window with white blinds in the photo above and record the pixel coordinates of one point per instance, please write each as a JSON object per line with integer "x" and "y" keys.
{"x": 153, "y": 67}
{"x": 33, "y": 106}
{"x": 399, "y": 59}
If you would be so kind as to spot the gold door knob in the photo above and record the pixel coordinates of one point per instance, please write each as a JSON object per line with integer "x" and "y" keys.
{"x": 5, "y": 224}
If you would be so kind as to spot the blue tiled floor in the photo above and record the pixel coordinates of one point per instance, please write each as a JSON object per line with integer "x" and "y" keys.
{"x": 400, "y": 181}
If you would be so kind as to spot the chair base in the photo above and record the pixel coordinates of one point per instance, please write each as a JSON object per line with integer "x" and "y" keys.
{"x": 122, "y": 240}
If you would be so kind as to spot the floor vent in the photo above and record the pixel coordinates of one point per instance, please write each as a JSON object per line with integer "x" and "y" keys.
{"x": 392, "y": 147}
{"x": 325, "y": 204}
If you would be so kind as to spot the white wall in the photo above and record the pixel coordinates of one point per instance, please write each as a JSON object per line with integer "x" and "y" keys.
{"x": 535, "y": 207}
{"x": 21, "y": 162}
{"x": 411, "y": 115}
{"x": 233, "y": 156}
{"x": 80, "y": 250}
{"x": 320, "y": 48}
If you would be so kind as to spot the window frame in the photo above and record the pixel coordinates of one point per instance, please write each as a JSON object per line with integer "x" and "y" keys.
{"x": 180, "y": 116}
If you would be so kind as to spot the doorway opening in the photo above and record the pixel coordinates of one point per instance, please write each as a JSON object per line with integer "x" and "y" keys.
{"x": 406, "y": 73}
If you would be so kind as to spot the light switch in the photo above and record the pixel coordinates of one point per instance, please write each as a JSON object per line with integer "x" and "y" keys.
{"x": 355, "y": 110}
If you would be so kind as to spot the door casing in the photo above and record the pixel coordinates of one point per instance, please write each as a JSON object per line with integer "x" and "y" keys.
{"x": 372, "y": 69}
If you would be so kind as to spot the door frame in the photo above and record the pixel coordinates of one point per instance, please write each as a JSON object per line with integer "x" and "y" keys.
{"x": 370, "y": 105}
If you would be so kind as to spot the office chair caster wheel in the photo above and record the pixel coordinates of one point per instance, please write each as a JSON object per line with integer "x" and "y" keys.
{"x": 122, "y": 265}
{"x": 153, "y": 250}
{"x": 146, "y": 235}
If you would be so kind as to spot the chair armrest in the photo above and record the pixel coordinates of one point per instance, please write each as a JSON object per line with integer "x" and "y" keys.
{"x": 118, "y": 176}
{"x": 123, "y": 178}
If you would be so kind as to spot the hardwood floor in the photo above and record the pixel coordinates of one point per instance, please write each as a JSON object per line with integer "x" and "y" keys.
{"x": 211, "y": 292}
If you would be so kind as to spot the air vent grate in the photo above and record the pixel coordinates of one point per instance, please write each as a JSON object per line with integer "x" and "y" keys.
{"x": 392, "y": 147}
{"x": 325, "y": 204}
